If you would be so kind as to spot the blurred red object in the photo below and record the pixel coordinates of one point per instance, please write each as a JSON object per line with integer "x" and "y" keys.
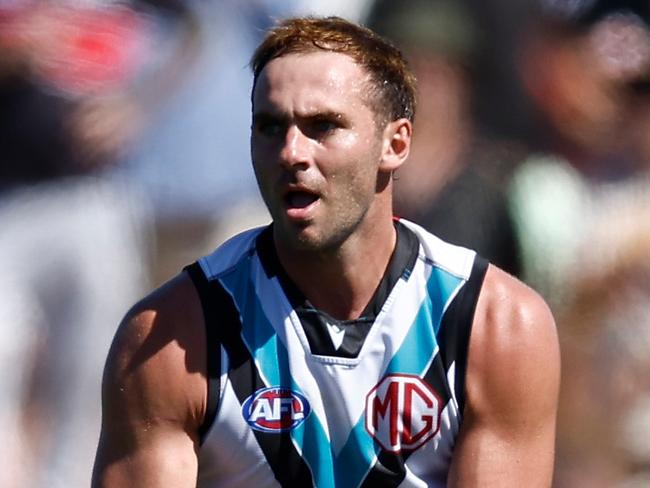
{"x": 78, "y": 51}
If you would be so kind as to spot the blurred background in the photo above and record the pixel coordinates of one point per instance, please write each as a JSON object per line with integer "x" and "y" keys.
{"x": 124, "y": 156}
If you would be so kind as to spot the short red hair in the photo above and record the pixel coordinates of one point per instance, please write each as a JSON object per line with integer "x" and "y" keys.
{"x": 392, "y": 82}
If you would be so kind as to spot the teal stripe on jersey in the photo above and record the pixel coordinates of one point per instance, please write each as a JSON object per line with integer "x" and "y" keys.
{"x": 413, "y": 357}
{"x": 271, "y": 357}
{"x": 442, "y": 287}
{"x": 356, "y": 457}
{"x": 416, "y": 352}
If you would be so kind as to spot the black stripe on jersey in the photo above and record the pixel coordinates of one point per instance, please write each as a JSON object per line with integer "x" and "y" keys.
{"x": 287, "y": 464}
{"x": 456, "y": 328}
{"x": 387, "y": 472}
{"x": 213, "y": 348}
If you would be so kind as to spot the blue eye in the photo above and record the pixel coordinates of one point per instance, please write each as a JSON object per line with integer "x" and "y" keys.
{"x": 270, "y": 129}
{"x": 322, "y": 126}
{"x": 325, "y": 125}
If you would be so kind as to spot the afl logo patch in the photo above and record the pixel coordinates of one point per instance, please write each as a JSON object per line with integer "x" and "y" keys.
{"x": 275, "y": 409}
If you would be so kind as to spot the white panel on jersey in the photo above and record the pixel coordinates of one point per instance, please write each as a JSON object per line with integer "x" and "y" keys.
{"x": 456, "y": 260}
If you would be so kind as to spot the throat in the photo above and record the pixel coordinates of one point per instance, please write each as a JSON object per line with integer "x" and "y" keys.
{"x": 339, "y": 303}
{"x": 349, "y": 284}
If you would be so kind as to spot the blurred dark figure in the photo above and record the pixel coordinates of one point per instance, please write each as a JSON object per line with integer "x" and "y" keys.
{"x": 453, "y": 183}
{"x": 581, "y": 203}
{"x": 77, "y": 83}
{"x": 33, "y": 141}
{"x": 584, "y": 66}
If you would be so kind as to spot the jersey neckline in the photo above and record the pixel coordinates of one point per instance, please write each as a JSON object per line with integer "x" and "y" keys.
{"x": 328, "y": 336}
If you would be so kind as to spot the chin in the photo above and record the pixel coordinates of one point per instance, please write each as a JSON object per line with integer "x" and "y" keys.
{"x": 305, "y": 241}
{"x": 302, "y": 238}
{"x": 317, "y": 235}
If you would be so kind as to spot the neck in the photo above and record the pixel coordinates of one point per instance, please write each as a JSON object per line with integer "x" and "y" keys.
{"x": 342, "y": 281}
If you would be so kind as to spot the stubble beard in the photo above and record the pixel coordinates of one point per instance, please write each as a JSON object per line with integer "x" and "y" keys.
{"x": 325, "y": 236}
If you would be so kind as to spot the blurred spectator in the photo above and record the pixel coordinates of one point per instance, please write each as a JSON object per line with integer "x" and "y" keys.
{"x": 579, "y": 67}
{"x": 581, "y": 204}
{"x": 604, "y": 421}
{"x": 453, "y": 181}
{"x": 194, "y": 158}
{"x": 72, "y": 249}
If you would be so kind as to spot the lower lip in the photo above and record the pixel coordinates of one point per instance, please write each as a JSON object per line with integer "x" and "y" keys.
{"x": 302, "y": 213}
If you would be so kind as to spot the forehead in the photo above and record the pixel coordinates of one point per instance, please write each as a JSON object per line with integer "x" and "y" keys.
{"x": 307, "y": 82}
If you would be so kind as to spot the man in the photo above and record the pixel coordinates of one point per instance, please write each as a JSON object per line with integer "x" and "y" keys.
{"x": 338, "y": 338}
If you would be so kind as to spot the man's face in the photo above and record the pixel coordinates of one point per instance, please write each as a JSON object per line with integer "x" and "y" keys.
{"x": 315, "y": 148}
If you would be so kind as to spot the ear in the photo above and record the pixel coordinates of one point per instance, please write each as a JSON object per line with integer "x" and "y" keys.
{"x": 396, "y": 144}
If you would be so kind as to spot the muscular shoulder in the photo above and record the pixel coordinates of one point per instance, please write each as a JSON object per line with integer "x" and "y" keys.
{"x": 514, "y": 353}
{"x": 156, "y": 366}
{"x": 512, "y": 383}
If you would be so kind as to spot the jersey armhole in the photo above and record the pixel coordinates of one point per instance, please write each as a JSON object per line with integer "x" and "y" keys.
{"x": 467, "y": 303}
{"x": 456, "y": 328}
{"x": 213, "y": 347}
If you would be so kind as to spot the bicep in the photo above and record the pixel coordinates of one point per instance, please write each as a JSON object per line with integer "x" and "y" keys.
{"x": 153, "y": 397}
{"x": 159, "y": 456}
{"x": 508, "y": 432}
{"x": 504, "y": 456}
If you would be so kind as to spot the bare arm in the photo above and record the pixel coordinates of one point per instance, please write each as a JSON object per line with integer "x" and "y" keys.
{"x": 154, "y": 393}
{"x": 513, "y": 376}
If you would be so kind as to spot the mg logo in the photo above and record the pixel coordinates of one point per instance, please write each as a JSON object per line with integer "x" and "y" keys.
{"x": 402, "y": 412}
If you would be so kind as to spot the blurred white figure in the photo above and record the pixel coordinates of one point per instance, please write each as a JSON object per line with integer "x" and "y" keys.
{"x": 72, "y": 259}
{"x": 75, "y": 87}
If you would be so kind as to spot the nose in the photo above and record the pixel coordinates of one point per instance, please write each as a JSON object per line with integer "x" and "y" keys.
{"x": 296, "y": 148}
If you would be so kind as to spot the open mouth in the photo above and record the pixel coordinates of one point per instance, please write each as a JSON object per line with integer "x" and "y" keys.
{"x": 300, "y": 199}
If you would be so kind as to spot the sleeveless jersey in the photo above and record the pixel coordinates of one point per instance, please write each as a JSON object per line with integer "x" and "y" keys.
{"x": 297, "y": 398}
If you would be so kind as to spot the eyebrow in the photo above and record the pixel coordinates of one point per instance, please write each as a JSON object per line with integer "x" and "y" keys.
{"x": 326, "y": 114}
{"x": 265, "y": 115}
